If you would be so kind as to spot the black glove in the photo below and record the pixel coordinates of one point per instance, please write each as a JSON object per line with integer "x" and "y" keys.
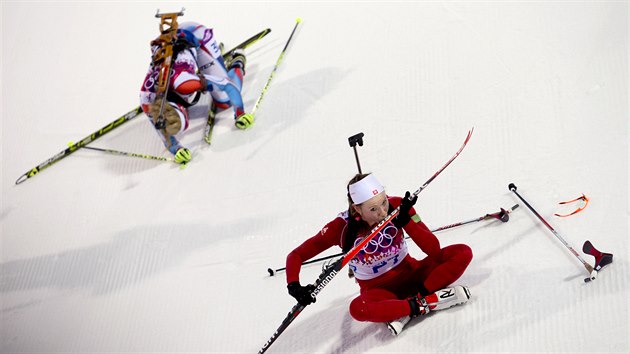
{"x": 301, "y": 293}
{"x": 405, "y": 205}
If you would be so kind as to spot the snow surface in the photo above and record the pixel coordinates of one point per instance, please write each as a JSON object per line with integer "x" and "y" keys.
{"x": 103, "y": 253}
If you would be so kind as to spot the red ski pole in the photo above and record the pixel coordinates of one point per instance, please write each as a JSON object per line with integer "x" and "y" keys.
{"x": 601, "y": 259}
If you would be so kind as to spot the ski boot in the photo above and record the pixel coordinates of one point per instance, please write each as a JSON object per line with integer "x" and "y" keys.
{"x": 420, "y": 306}
{"x": 448, "y": 297}
{"x": 236, "y": 59}
{"x": 397, "y": 326}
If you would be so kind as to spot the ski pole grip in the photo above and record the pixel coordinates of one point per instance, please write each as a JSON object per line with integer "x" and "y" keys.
{"x": 356, "y": 139}
{"x": 512, "y": 187}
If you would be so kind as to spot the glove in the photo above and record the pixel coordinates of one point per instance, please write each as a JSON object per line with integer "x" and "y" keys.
{"x": 244, "y": 121}
{"x": 403, "y": 217}
{"x": 183, "y": 156}
{"x": 301, "y": 293}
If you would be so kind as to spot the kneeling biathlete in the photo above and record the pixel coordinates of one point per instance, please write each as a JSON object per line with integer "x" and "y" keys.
{"x": 197, "y": 67}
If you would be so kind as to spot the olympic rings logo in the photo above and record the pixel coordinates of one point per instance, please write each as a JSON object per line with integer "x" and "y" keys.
{"x": 384, "y": 239}
{"x": 150, "y": 82}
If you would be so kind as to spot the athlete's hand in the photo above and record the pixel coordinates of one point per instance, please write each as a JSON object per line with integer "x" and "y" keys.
{"x": 403, "y": 216}
{"x": 303, "y": 294}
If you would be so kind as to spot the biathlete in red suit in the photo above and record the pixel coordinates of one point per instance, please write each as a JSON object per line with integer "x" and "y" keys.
{"x": 394, "y": 286}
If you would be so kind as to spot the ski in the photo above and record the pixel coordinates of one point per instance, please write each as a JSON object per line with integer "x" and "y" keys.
{"x": 502, "y": 215}
{"x": 207, "y": 134}
{"x": 331, "y": 271}
{"x": 75, "y": 146}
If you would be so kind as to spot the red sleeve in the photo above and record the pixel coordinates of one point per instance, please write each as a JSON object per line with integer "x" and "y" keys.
{"x": 326, "y": 238}
{"x": 420, "y": 233}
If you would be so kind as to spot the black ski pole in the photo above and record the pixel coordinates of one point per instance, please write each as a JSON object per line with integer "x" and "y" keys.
{"x": 331, "y": 271}
{"x": 601, "y": 261}
{"x": 502, "y": 215}
{"x": 353, "y": 141}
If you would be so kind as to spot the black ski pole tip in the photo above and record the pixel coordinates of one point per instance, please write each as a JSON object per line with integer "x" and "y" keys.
{"x": 270, "y": 272}
{"x": 512, "y": 187}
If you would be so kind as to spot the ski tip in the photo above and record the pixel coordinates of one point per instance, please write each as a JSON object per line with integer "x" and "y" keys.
{"x": 470, "y": 132}
{"x": 21, "y": 179}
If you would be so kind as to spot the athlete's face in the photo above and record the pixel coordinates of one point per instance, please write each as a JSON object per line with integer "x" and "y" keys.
{"x": 374, "y": 209}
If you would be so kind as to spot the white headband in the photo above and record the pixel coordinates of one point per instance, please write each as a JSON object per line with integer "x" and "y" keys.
{"x": 365, "y": 189}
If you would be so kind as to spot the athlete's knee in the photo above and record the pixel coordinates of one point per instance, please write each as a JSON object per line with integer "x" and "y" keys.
{"x": 460, "y": 253}
{"x": 465, "y": 252}
{"x": 359, "y": 310}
